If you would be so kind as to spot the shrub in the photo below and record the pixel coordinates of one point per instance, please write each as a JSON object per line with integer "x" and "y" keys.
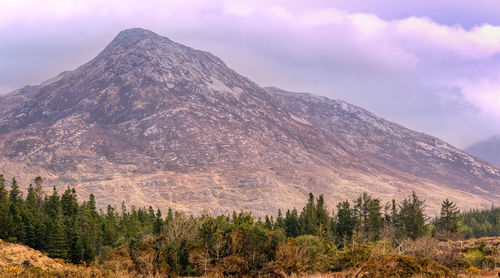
{"x": 290, "y": 258}
{"x": 353, "y": 256}
{"x": 472, "y": 271}
{"x": 317, "y": 253}
{"x": 431, "y": 248}
{"x": 474, "y": 257}
{"x": 402, "y": 266}
{"x": 234, "y": 266}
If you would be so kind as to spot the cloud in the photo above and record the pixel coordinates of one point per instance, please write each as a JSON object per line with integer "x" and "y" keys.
{"x": 419, "y": 70}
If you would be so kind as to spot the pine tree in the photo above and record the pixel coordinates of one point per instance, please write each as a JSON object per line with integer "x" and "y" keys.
{"x": 170, "y": 215}
{"x": 15, "y": 227}
{"x": 39, "y": 193}
{"x": 449, "y": 217}
{"x": 4, "y": 194}
{"x": 69, "y": 203}
{"x": 267, "y": 224}
{"x": 411, "y": 218}
{"x": 57, "y": 246}
{"x": 110, "y": 227}
{"x": 4, "y": 210}
{"x": 346, "y": 221}
{"x": 308, "y": 218}
{"x": 29, "y": 215}
{"x": 31, "y": 198}
{"x": 15, "y": 196}
{"x": 158, "y": 223}
{"x": 280, "y": 221}
{"x": 292, "y": 226}
{"x": 322, "y": 217}
{"x": 369, "y": 216}
{"x": 88, "y": 232}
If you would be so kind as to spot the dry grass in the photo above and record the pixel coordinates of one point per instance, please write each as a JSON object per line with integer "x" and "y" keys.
{"x": 23, "y": 256}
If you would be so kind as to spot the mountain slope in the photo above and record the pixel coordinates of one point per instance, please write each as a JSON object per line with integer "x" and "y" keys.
{"x": 152, "y": 122}
{"x": 488, "y": 150}
{"x": 406, "y": 150}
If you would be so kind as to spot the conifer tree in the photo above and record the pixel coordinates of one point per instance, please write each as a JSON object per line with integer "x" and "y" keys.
{"x": 39, "y": 194}
{"x": 308, "y": 217}
{"x": 69, "y": 203}
{"x": 4, "y": 209}
{"x": 158, "y": 223}
{"x": 280, "y": 221}
{"x": 369, "y": 216}
{"x": 56, "y": 237}
{"x": 170, "y": 215}
{"x": 4, "y": 194}
{"x": 449, "y": 217}
{"x": 15, "y": 221}
{"x": 322, "y": 217}
{"x": 411, "y": 218}
{"x": 346, "y": 221}
{"x": 31, "y": 198}
{"x": 292, "y": 226}
{"x": 15, "y": 195}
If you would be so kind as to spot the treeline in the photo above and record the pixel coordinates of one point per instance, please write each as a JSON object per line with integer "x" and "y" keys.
{"x": 481, "y": 223}
{"x": 185, "y": 245}
{"x": 66, "y": 229}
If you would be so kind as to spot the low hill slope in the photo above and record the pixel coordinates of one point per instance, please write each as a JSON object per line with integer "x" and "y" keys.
{"x": 21, "y": 256}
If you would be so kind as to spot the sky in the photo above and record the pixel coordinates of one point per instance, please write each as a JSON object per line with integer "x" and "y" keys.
{"x": 432, "y": 66}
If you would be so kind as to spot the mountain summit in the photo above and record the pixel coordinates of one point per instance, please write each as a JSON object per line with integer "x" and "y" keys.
{"x": 153, "y": 122}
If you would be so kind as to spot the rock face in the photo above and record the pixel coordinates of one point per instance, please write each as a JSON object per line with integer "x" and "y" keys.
{"x": 152, "y": 122}
{"x": 488, "y": 150}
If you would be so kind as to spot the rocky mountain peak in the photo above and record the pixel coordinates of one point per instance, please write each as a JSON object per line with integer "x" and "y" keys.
{"x": 132, "y": 38}
{"x": 138, "y": 74}
{"x": 134, "y": 35}
{"x": 153, "y": 122}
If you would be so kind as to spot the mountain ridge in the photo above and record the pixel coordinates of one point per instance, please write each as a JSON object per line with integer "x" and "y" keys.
{"x": 391, "y": 132}
{"x": 150, "y": 121}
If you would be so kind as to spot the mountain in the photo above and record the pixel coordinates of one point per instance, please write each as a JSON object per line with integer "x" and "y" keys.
{"x": 488, "y": 150}
{"x": 152, "y": 122}
{"x": 416, "y": 153}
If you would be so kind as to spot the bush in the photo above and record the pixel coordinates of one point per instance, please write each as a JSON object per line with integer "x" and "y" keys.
{"x": 352, "y": 256}
{"x": 317, "y": 253}
{"x": 290, "y": 258}
{"x": 474, "y": 257}
{"x": 402, "y": 266}
{"x": 431, "y": 248}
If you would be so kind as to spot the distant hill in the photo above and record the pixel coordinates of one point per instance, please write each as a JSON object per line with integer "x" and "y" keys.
{"x": 153, "y": 122}
{"x": 488, "y": 150}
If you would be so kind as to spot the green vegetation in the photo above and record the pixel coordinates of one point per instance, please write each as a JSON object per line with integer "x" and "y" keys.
{"x": 480, "y": 223}
{"x": 361, "y": 234}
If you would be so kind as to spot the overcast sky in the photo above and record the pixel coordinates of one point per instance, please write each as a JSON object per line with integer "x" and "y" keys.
{"x": 433, "y": 66}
